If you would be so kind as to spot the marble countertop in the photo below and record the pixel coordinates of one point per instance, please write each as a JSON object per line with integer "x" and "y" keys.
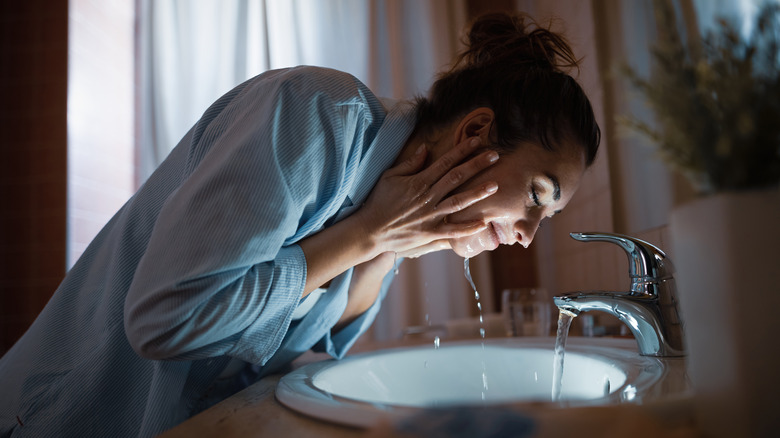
{"x": 255, "y": 412}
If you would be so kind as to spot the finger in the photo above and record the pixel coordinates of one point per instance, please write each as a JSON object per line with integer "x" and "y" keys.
{"x": 449, "y": 160}
{"x": 463, "y": 200}
{"x": 411, "y": 165}
{"x": 448, "y": 230}
{"x": 436, "y": 245}
{"x": 462, "y": 173}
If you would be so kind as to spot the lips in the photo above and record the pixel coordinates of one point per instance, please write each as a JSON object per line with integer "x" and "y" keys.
{"x": 495, "y": 234}
{"x": 501, "y": 236}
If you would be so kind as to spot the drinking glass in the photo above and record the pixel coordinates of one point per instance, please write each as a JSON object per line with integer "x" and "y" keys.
{"x": 526, "y": 311}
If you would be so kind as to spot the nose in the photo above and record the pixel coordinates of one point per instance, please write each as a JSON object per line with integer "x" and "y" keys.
{"x": 525, "y": 229}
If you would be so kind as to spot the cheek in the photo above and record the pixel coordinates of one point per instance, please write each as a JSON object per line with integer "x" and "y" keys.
{"x": 491, "y": 208}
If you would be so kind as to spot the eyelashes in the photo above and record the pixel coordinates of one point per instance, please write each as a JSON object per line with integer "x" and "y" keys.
{"x": 535, "y": 197}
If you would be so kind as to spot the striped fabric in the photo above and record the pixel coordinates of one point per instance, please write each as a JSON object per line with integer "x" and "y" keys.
{"x": 201, "y": 265}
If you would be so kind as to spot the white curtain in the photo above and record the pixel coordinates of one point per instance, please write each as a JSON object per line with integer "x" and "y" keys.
{"x": 193, "y": 51}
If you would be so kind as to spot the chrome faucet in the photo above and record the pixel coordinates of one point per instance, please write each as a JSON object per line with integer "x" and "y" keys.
{"x": 649, "y": 309}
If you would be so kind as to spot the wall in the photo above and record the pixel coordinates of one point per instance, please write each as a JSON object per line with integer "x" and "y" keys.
{"x": 67, "y": 144}
{"x": 33, "y": 168}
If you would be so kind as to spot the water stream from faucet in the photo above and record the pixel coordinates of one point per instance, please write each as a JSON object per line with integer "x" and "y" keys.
{"x": 564, "y": 323}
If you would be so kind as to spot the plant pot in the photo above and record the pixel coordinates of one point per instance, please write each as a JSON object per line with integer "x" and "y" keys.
{"x": 725, "y": 249}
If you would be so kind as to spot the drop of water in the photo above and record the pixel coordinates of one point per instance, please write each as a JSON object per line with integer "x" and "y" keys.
{"x": 436, "y": 342}
{"x": 468, "y": 276}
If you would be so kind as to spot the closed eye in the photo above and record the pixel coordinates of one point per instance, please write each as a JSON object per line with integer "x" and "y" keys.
{"x": 535, "y": 197}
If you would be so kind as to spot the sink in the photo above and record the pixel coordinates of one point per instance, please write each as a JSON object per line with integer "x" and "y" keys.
{"x": 365, "y": 388}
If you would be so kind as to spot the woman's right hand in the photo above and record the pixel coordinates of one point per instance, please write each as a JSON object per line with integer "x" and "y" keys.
{"x": 407, "y": 210}
{"x": 404, "y": 215}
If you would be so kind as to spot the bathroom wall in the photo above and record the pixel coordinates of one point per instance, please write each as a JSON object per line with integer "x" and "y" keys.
{"x": 33, "y": 167}
{"x": 67, "y": 144}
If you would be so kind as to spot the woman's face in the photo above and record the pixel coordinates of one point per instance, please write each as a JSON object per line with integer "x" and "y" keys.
{"x": 533, "y": 184}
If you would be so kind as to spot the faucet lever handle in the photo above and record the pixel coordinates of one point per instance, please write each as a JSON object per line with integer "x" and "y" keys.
{"x": 646, "y": 262}
{"x": 650, "y": 307}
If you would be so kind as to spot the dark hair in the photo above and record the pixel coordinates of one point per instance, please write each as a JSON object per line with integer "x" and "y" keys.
{"x": 519, "y": 70}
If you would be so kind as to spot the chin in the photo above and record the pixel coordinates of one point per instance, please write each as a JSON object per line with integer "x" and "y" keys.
{"x": 471, "y": 246}
{"x": 465, "y": 252}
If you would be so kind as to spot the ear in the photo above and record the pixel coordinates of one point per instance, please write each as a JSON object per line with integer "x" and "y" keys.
{"x": 477, "y": 123}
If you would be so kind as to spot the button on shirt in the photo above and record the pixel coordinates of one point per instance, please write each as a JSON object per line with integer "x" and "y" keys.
{"x": 201, "y": 267}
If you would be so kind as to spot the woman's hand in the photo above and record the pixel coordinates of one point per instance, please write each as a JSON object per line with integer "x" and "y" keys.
{"x": 406, "y": 211}
{"x": 404, "y": 216}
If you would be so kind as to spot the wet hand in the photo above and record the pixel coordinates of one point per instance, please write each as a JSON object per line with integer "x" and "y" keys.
{"x": 407, "y": 210}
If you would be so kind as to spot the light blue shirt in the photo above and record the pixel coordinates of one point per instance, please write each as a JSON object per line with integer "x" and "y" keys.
{"x": 201, "y": 265}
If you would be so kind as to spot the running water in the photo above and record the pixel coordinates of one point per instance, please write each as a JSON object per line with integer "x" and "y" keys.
{"x": 476, "y": 297}
{"x": 564, "y": 322}
{"x": 481, "y": 324}
{"x": 436, "y": 340}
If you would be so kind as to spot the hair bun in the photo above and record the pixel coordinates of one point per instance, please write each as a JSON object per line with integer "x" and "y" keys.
{"x": 515, "y": 39}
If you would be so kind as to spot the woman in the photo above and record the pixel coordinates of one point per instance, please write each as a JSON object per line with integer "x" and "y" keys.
{"x": 272, "y": 226}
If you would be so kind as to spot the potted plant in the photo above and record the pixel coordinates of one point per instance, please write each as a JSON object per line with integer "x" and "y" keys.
{"x": 716, "y": 103}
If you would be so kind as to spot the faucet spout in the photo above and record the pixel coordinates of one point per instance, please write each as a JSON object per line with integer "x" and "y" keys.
{"x": 649, "y": 309}
{"x": 640, "y": 314}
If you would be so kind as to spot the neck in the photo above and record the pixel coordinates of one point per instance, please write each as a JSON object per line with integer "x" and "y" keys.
{"x": 433, "y": 144}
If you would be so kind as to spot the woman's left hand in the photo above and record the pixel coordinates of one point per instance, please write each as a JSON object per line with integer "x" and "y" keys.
{"x": 406, "y": 211}
{"x": 404, "y": 216}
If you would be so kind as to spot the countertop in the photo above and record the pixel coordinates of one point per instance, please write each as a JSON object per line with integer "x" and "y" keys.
{"x": 255, "y": 412}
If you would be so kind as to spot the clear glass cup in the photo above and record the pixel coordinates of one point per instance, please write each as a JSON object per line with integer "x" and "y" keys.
{"x": 526, "y": 311}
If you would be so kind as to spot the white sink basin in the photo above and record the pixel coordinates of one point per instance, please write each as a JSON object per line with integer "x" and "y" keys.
{"x": 361, "y": 389}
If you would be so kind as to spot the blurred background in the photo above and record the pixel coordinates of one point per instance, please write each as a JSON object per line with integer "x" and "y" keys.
{"x": 94, "y": 93}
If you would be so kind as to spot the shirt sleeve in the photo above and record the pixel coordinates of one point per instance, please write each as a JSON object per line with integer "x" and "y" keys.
{"x": 338, "y": 344}
{"x": 268, "y": 164}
